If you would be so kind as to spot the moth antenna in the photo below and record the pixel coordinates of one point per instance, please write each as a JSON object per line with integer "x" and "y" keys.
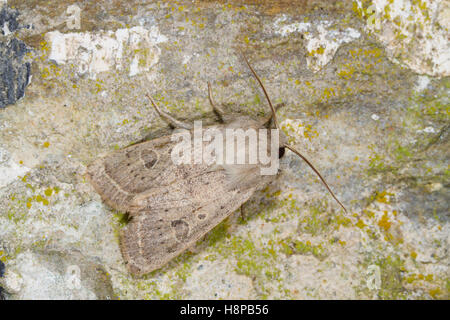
{"x": 288, "y": 146}
{"x": 119, "y": 271}
{"x": 167, "y": 117}
{"x": 220, "y": 113}
{"x": 317, "y": 172}
{"x": 264, "y": 90}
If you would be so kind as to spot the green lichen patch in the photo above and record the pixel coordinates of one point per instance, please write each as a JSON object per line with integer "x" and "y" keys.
{"x": 392, "y": 274}
{"x": 290, "y": 247}
{"x": 320, "y": 219}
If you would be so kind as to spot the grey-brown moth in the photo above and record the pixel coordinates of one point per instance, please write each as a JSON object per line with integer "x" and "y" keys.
{"x": 171, "y": 206}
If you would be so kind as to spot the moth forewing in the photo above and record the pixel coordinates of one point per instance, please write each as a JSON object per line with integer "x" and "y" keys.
{"x": 173, "y": 206}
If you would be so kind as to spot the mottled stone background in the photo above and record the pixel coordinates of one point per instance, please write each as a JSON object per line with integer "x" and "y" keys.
{"x": 366, "y": 86}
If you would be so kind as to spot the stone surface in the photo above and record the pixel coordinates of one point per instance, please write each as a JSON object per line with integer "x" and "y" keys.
{"x": 368, "y": 106}
{"x": 414, "y": 33}
{"x": 2, "y": 269}
{"x": 8, "y": 20}
{"x": 2, "y": 273}
{"x": 15, "y": 67}
{"x": 15, "y": 71}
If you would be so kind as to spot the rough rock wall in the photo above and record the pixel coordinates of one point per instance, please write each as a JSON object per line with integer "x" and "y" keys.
{"x": 366, "y": 90}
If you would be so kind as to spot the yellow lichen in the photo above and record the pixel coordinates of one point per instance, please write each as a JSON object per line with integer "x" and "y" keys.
{"x": 435, "y": 292}
{"x": 48, "y": 192}
{"x": 384, "y": 222}
{"x": 360, "y": 224}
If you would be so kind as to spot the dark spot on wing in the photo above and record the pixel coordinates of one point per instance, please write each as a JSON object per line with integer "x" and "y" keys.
{"x": 171, "y": 249}
{"x": 150, "y": 158}
{"x": 181, "y": 228}
{"x": 201, "y": 216}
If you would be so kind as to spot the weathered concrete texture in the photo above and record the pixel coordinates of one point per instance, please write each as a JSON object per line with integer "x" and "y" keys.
{"x": 373, "y": 121}
{"x": 57, "y": 275}
{"x": 414, "y": 33}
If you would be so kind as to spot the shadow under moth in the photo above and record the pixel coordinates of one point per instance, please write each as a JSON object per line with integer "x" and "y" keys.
{"x": 171, "y": 206}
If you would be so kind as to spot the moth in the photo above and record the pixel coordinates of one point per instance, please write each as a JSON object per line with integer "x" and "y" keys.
{"x": 171, "y": 206}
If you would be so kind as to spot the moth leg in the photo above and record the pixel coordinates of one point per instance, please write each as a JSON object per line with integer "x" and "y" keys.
{"x": 218, "y": 110}
{"x": 268, "y": 120}
{"x": 243, "y": 216}
{"x": 168, "y": 118}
